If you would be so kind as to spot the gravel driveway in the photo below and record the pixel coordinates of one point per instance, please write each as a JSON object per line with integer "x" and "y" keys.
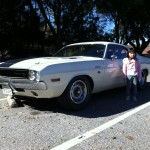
{"x": 42, "y": 125}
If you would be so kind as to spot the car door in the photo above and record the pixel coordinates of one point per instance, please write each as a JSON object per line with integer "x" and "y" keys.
{"x": 113, "y": 65}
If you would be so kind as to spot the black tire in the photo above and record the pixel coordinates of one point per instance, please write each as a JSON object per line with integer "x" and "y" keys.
{"x": 142, "y": 83}
{"x": 77, "y": 94}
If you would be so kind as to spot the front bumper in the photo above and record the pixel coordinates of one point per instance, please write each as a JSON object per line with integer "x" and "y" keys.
{"x": 24, "y": 84}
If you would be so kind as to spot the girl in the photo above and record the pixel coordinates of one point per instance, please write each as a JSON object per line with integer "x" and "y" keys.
{"x": 132, "y": 73}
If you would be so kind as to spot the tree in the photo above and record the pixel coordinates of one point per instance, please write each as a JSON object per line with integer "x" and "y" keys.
{"x": 68, "y": 19}
{"x": 131, "y": 19}
{"x": 19, "y": 28}
{"x": 138, "y": 19}
{"x": 109, "y": 9}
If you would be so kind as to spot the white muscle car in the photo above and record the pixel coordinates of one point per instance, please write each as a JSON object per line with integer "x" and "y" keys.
{"x": 72, "y": 74}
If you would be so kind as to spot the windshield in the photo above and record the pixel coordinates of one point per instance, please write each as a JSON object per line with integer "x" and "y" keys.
{"x": 96, "y": 50}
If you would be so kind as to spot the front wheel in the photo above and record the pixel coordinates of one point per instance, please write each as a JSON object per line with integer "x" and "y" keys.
{"x": 142, "y": 82}
{"x": 77, "y": 94}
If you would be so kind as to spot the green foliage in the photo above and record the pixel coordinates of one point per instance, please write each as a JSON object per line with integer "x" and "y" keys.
{"x": 19, "y": 28}
{"x": 32, "y": 24}
{"x": 131, "y": 19}
{"x": 70, "y": 21}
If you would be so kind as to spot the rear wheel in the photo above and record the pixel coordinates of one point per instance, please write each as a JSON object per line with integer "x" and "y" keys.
{"x": 77, "y": 94}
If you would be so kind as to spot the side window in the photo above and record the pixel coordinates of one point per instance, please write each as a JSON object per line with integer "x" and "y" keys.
{"x": 111, "y": 51}
{"x": 95, "y": 50}
{"x": 122, "y": 52}
{"x": 117, "y": 51}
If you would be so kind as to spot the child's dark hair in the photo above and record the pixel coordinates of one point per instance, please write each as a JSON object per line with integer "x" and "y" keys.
{"x": 131, "y": 51}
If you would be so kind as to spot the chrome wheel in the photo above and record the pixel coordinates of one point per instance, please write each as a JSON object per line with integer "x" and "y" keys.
{"x": 78, "y": 92}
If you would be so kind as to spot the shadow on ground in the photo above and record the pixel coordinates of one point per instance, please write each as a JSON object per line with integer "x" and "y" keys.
{"x": 102, "y": 104}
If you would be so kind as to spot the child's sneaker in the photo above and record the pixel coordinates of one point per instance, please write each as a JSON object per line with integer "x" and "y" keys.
{"x": 134, "y": 98}
{"x": 127, "y": 98}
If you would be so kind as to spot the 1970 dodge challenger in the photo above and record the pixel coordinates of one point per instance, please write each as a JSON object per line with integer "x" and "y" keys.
{"x": 72, "y": 74}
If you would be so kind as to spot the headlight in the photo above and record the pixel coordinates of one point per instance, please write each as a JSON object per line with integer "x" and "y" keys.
{"x": 34, "y": 75}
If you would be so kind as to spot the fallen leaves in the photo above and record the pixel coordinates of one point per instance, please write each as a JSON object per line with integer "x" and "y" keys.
{"x": 129, "y": 137}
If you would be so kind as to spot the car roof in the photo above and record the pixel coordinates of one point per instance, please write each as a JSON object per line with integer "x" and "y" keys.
{"x": 95, "y": 42}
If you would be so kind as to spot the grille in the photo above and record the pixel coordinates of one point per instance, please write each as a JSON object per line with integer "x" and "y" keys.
{"x": 21, "y": 73}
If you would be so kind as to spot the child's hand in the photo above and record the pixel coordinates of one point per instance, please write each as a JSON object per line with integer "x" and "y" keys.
{"x": 124, "y": 78}
{"x": 140, "y": 80}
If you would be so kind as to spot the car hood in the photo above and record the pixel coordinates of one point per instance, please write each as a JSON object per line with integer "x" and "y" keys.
{"x": 40, "y": 63}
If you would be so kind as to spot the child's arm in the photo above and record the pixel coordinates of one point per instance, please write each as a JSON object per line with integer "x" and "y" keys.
{"x": 139, "y": 70}
{"x": 124, "y": 68}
